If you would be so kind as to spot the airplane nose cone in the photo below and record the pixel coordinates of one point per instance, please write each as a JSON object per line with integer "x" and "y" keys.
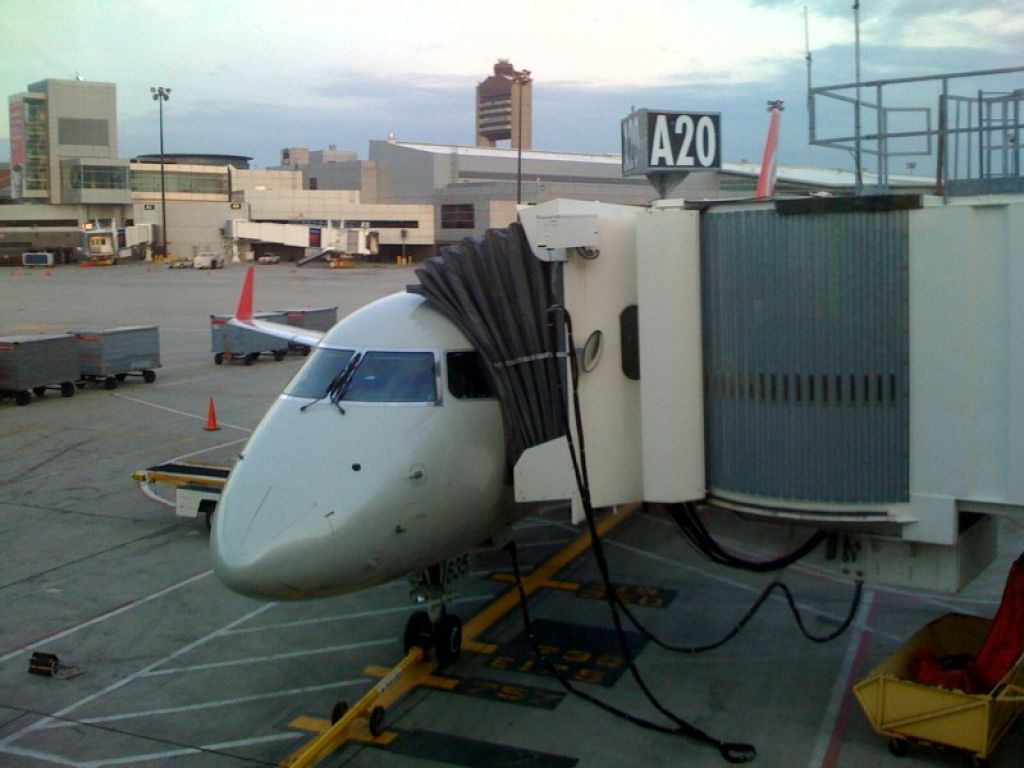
{"x": 271, "y": 542}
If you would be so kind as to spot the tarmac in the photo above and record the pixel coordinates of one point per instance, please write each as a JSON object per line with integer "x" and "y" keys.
{"x": 161, "y": 665}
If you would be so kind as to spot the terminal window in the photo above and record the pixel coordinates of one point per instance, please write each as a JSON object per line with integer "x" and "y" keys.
{"x": 97, "y": 177}
{"x": 83, "y": 132}
{"x": 458, "y": 216}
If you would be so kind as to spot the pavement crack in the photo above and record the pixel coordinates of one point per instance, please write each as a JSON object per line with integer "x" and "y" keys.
{"x": 39, "y": 574}
{"x": 25, "y": 474}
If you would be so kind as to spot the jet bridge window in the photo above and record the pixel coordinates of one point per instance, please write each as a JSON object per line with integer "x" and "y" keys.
{"x": 467, "y": 376}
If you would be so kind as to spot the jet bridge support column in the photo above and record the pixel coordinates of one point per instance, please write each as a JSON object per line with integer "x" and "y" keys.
{"x": 632, "y": 288}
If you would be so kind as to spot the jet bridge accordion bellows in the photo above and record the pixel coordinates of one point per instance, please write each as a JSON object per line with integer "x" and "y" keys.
{"x": 806, "y": 355}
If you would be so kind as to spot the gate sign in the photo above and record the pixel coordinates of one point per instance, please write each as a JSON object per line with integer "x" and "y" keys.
{"x": 659, "y": 141}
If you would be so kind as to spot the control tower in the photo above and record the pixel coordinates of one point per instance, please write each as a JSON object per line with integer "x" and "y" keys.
{"x": 504, "y": 107}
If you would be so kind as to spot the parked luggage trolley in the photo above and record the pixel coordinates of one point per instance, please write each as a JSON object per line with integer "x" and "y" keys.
{"x": 113, "y": 354}
{"x": 907, "y": 711}
{"x": 229, "y": 342}
{"x": 245, "y": 345}
{"x": 310, "y": 319}
{"x": 36, "y": 363}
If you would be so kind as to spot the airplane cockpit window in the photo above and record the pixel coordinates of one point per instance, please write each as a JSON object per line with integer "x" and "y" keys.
{"x": 394, "y": 377}
{"x": 375, "y": 376}
{"x": 467, "y": 376}
{"x": 316, "y": 375}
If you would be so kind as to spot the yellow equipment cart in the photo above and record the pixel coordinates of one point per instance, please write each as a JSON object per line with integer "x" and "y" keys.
{"x": 907, "y": 711}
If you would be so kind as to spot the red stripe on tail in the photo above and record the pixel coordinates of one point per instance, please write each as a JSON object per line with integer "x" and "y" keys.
{"x": 766, "y": 179}
{"x": 244, "y": 311}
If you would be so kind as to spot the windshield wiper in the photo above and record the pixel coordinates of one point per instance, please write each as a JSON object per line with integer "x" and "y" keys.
{"x": 339, "y": 384}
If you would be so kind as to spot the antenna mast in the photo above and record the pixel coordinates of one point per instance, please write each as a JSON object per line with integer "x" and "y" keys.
{"x": 856, "y": 113}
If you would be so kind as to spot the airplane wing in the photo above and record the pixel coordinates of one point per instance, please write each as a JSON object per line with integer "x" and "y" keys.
{"x": 244, "y": 318}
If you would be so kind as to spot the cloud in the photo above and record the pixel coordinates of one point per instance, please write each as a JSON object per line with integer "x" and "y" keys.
{"x": 252, "y": 77}
{"x": 989, "y": 24}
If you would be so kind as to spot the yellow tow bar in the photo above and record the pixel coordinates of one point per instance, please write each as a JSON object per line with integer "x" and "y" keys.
{"x": 372, "y": 707}
{"x": 416, "y": 669}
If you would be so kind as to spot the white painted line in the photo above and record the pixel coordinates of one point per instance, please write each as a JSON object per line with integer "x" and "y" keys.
{"x": 547, "y": 543}
{"x": 177, "y": 412}
{"x": 270, "y": 658}
{"x": 179, "y": 382}
{"x": 48, "y": 722}
{"x": 346, "y": 616}
{"x": 103, "y": 616}
{"x": 830, "y": 732}
{"x": 146, "y": 489}
{"x": 211, "y": 448}
{"x": 37, "y": 755}
{"x": 206, "y": 748}
{"x": 214, "y": 704}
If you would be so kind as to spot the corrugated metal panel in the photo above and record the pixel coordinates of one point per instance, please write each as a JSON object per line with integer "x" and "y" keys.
{"x": 806, "y": 355}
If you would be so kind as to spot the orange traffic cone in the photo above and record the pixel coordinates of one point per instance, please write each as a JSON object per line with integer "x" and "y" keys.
{"x": 211, "y": 418}
{"x": 46, "y": 272}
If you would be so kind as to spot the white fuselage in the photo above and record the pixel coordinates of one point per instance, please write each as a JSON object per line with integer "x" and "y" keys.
{"x": 384, "y": 480}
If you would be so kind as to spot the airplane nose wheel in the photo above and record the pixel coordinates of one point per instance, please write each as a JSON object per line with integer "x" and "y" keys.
{"x": 447, "y": 638}
{"x": 443, "y": 636}
{"x": 418, "y": 632}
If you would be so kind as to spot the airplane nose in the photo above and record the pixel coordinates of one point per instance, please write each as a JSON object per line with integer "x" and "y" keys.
{"x": 271, "y": 542}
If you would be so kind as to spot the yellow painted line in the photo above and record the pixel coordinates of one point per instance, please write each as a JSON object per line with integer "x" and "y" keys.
{"x": 426, "y": 680}
{"x": 418, "y": 670}
{"x": 380, "y": 695}
{"x": 565, "y": 586}
{"x": 535, "y": 580}
{"x": 477, "y": 647}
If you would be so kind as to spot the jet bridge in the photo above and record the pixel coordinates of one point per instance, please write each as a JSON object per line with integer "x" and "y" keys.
{"x": 846, "y": 366}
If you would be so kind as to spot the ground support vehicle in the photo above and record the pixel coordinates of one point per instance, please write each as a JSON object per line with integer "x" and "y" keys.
{"x": 35, "y": 363}
{"x": 110, "y": 356}
{"x": 909, "y": 712}
{"x": 245, "y": 345}
{"x": 197, "y": 486}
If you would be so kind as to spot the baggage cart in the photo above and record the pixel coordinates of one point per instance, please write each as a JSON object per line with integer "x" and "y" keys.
{"x": 310, "y": 318}
{"x": 907, "y": 711}
{"x": 36, "y": 363}
{"x": 229, "y": 342}
{"x": 113, "y": 354}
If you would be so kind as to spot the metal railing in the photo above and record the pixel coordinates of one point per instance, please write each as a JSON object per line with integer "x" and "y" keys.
{"x": 973, "y": 140}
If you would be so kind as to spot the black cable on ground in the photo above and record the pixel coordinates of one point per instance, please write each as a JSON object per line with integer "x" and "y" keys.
{"x": 731, "y": 751}
{"x": 775, "y": 585}
{"x": 689, "y": 522}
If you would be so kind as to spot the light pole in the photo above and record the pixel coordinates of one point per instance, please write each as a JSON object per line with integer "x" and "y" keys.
{"x": 520, "y": 78}
{"x": 160, "y": 95}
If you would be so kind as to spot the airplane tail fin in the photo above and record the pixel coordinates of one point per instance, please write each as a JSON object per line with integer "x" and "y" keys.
{"x": 244, "y": 310}
{"x": 766, "y": 179}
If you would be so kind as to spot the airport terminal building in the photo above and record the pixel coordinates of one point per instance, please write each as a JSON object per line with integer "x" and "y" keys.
{"x": 66, "y": 182}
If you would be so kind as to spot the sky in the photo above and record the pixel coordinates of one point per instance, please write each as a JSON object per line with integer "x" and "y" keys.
{"x": 251, "y": 77}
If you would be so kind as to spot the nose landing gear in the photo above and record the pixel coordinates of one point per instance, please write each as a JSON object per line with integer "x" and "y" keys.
{"x": 443, "y": 635}
{"x": 436, "y": 629}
